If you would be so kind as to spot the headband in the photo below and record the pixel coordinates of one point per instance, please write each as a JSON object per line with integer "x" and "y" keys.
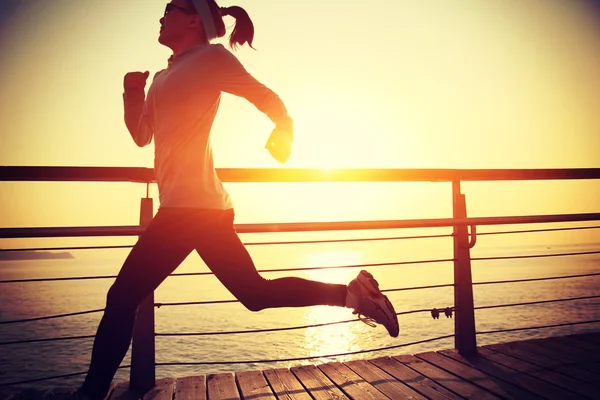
{"x": 203, "y": 9}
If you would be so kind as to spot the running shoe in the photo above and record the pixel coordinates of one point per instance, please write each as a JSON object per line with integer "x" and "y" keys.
{"x": 370, "y": 304}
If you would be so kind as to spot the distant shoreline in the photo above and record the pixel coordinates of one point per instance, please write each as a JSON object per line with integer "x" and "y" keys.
{"x": 34, "y": 255}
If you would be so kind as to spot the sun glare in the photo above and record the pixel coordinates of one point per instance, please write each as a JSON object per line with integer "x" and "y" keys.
{"x": 331, "y": 258}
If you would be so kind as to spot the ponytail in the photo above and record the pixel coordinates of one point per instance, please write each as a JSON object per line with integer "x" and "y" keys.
{"x": 243, "y": 31}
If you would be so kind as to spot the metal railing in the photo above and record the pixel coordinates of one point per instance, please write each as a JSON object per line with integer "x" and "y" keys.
{"x": 464, "y": 234}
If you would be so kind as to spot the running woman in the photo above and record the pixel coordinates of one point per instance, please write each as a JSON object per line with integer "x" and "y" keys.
{"x": 196, "y": 212}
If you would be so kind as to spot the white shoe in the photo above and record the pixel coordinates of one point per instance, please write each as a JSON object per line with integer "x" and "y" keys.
{"x": 370, "y": 304}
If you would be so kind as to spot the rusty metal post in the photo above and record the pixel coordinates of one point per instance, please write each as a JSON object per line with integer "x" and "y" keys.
{"x": 464, "y": 322}
{"x": 143, "y": 375}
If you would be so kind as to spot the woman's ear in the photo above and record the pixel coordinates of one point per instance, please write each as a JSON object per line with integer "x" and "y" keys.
{"x": 196, "y": 21}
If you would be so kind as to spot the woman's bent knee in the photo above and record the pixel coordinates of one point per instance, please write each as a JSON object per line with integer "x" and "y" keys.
{"x": 121, "y": 297}
{"x": 252, "y": 304}
{"x": 254, "y": 295}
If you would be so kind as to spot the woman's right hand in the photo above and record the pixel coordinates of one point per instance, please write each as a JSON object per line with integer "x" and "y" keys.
{"x": 135, "y": 81}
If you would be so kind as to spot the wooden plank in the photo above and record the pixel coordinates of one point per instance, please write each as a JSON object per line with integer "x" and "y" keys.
{"x": 575, "y": 353}
{"x": 163, "y": 390}
{"x": 592, "y": 348}
{"x": 475, "y": 376}
{"x": 593, "y": 337}
{"x": 537, "y": 387}
{"x": 418, "y": 382}
{"x": 553, "y": 375}
{"x": 191, "y": 388}
{"x": 527, "y": 352}
{"x": 32, "y": 394}
{"x": 531, "y": 370}
{"x": 60, "y": 393}
{"x": 253, "y": 385}
{"x": 572, "y": 341}
{"x": 545, "y": 350}
{"x": 285, "y": 385}
{"x": 122, "y": 392}
{"x": 353, "y": 385}
{"x": 451, "y": 382}
{"x": 11, "y": 396}
{"x": 222, "y": 387}
{"x": 317, "y": 384}
{"x": 383, "y": 381}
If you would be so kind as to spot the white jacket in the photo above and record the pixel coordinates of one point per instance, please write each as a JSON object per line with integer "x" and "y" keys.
{"x": 179, "y": 111}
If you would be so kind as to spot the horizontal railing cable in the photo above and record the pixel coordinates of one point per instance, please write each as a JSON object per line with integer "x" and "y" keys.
{"x": 385, "y": 264}
{"x": 54, "y": 339}
{"x": 49, "y": 378}
{"x": 159, "y": 305}
{"x": 548, "y": 278}
{"x": 310, "y": 241}
{"x": 14, "y": 321}
{"x": 349, "y": 240}
{"x": 302, "y": 358}
{"x": 128, "y": 246}
{"x": 68, "y": 278}
{"x": 198, "y": 333}
{"x": 536, "y": 230}
{"x": 288, "y": 328}
{"x": 580, "y": 253}
{"x": 190, "y": 303}
{"x": 207, "y": 302}
{"x": 136, "y": 230}
{"x": 317, "y": 268}
{"x": 527, "y": 303}
{"x": 442, "y": 285}
{"x": 354, "y": 320}
{"x": 194, "y": 303}
{"x": 124, "y": 246}
{"x": 415, "y": 237}
{"x": 538, "y": 327}
{"x": 260, "y": 271}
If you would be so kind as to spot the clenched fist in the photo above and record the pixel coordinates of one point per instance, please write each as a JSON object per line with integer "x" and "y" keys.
{"x": 135, "y": 81}
{"x": 280, "y": 142}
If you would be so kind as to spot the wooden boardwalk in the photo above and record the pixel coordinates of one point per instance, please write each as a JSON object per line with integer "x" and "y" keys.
{"x": 554, "y": 368}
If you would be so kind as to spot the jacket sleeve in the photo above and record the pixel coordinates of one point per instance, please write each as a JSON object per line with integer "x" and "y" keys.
{"x": 233, "y": 78}
{"x": 137, "y": 118}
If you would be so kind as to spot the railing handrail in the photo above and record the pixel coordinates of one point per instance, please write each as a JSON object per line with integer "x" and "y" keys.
{"x": 134, "y": 230}
{"x": 146, "y": 175}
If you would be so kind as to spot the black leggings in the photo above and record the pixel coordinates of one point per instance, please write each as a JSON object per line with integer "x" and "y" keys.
{"x": 166, "y": 242}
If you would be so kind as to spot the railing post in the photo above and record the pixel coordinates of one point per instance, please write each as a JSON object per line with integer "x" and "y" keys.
{"x": 464, "y": 322}
{"x": 142, "y": 376}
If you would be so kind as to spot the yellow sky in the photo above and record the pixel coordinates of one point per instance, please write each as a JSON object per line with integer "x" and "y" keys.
{"x": 391, "y": 84}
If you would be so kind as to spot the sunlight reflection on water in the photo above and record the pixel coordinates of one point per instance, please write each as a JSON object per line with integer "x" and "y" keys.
{"x": 331, "y": 339}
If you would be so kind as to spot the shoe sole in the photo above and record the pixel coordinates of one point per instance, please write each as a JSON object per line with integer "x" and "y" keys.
{"x": 369, "y": 283}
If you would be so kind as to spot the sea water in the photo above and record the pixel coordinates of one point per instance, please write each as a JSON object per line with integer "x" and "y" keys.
{"x": 243, "y": 351}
